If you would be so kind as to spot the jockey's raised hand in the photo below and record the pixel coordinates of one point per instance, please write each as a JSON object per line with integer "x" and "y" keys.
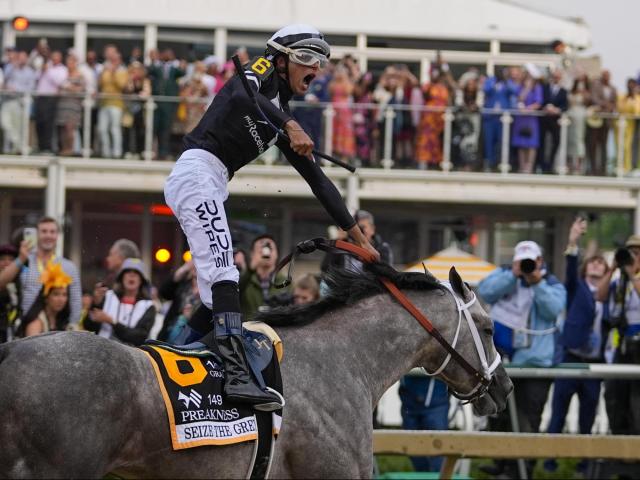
{"x": 301, "y": 143}
{"x": 359, "y": 239}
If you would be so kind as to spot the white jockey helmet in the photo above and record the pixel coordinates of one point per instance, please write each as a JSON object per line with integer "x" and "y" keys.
{"x": 303, "y": 44}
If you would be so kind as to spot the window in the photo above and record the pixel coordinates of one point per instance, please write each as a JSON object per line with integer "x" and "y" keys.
{"x": 190, "y": 44}
{"x": 427, "y": 44}
{"x": 59, "y": 36}
{"x": 125, "y": 37}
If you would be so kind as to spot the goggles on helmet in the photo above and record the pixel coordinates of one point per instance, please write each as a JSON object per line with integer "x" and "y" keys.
{"x": 307, "y": 57}
{"x": 302, "y": 56}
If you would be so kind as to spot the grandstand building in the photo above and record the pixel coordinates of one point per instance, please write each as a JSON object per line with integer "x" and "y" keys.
{"x": 418, "y": 212}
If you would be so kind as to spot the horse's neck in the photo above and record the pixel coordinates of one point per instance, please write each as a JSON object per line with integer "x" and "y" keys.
{"x": 372, "y": 344}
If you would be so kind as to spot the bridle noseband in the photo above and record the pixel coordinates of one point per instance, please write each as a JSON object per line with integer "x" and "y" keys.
{"x": 483, "y": 377}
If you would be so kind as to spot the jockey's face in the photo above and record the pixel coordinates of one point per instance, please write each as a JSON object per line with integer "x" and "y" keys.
{"x": 300, "y": 76}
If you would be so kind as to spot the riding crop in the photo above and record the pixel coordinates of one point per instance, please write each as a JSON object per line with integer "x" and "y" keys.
{"x": 279, "y": 131}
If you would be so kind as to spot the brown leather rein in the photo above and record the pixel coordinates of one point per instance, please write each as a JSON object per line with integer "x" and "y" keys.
{"x": 309, "y": 246}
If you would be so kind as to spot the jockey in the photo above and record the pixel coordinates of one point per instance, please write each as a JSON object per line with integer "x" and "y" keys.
{"x": 230, "y": 135}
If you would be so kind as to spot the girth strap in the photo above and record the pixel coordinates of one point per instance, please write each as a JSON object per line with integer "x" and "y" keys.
{"x": 309, "y": 246}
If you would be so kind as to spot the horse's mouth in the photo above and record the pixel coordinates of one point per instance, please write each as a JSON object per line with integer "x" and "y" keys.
{"x": 484, "y": 405}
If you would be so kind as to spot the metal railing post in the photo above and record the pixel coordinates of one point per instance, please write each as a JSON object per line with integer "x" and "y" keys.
{"x": 27, "y": 102}
{"x": 149, "y": 107}
{"x": 389, "y": 115}
{"x": 506, "y": 119}
{"x": 87, "y": 137}
{"x": 446, "y": 148}
{"x": 622, "y": 125}
{"x": 564, "y": 123}
{"x": 328, "y": 113}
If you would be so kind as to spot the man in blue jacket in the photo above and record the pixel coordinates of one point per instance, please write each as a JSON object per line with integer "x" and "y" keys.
{"x": 526, "y": 301}
{"x": 581, "y": 339}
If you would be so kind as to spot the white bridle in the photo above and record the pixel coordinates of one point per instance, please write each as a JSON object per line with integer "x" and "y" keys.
{"x": 486, "y": 369}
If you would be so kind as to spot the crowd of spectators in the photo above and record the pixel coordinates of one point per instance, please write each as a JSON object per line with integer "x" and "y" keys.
{"x": 591, "y": 317}
{"x": 359, "y": 99}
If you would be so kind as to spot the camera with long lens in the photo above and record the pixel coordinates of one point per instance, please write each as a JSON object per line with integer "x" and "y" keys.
{"x": 623, "y": 257}
{"x": 527, "y": 266}
{"x": 266, "y": 250}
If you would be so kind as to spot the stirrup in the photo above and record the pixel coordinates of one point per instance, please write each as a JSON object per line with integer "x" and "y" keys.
{"x": 271, "y": 406}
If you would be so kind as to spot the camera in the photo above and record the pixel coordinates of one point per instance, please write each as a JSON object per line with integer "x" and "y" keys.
{"x": 623, "y": 257}
{"x": 527, "y": 266}
{"x": 266, "y": 249}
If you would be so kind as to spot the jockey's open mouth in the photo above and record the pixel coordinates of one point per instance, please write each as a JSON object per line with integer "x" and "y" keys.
{"x": 308, "y": 79}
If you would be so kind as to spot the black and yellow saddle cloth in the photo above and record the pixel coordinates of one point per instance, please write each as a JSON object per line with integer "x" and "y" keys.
{"x": 192, "y": 380}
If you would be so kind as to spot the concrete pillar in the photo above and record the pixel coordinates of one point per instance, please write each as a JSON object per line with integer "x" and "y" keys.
{"x": 220, "y": 38}
{"x": 8, "y": 35}
{"x": 80, "y": 40}
{"x": 150, "y": 39}
{"x": 361, "y": 46}
{"x": 76, "y": 234}
{"x": 55, "y": 198}
{"x": 481, "y": 230}
{"x": 146, "y": 246}
{"x": 425, "y": 67}
{"x": 353, "y": 194}
{"x": 5, "y": 218}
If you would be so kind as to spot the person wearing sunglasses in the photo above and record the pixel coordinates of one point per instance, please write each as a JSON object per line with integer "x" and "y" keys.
{"x": 231, "y": 134}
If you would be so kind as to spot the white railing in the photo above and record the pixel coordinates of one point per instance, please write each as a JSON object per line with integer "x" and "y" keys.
{"x": 381, "y": 135}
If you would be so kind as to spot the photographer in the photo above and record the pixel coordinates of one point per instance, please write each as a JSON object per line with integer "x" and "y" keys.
{"x": 255, "y": 282}
{"x": 622, "y": 397}
{"x": 525, "y": 303}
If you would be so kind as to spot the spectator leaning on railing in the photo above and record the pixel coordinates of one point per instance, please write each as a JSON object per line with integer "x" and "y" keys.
{"x": 629, "y": 105}
{"x": 579, "y": 99}
{"x": 19, "y": 78}
{"x": 554, "y": 103}
{"x": 52, "y": 77}
{"x": 164, "y": 82}
{"x": 498, "y": 94}
{"x": 112, "y": 83}
{"x": 603, "y": 101}
{"x": 69, "y": 111}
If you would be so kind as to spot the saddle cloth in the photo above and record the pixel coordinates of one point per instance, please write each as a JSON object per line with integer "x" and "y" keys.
{"x": 191, "y": 381}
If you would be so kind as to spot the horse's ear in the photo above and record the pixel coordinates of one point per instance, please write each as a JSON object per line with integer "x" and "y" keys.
{"x": 456, "y": 283}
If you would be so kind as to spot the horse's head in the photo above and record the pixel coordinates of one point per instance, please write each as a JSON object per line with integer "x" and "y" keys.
{"x": 470, "y": 332}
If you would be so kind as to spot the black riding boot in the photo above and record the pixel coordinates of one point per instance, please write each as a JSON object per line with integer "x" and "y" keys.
{"x": 239, "y": 385}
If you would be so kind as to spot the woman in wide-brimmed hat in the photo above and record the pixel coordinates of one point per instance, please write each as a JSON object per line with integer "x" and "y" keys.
{"x": 125, "y": 313}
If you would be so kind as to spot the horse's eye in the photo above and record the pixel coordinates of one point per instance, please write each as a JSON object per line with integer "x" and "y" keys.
{"x": 489, "y": 331}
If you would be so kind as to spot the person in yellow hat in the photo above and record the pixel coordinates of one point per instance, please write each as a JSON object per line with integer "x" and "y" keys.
{"x": 51, "y": 309}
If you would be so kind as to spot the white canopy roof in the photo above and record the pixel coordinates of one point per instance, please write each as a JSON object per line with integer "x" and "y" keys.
{"x": 454, "y": 19}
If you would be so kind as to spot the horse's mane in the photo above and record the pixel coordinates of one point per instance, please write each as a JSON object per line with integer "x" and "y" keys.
{"x": 346, "y": 288}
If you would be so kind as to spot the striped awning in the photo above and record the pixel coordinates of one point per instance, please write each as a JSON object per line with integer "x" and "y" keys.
{"x": 472, "y": 269}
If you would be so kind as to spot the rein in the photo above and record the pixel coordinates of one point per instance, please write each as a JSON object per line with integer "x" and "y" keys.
{"x": 309, "y": 246}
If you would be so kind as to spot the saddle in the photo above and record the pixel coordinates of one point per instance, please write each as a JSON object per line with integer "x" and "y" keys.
{"x": 191, "y": 379}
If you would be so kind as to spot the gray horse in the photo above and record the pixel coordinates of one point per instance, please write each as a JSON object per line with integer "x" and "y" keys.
{"x": 77, "y": 405}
